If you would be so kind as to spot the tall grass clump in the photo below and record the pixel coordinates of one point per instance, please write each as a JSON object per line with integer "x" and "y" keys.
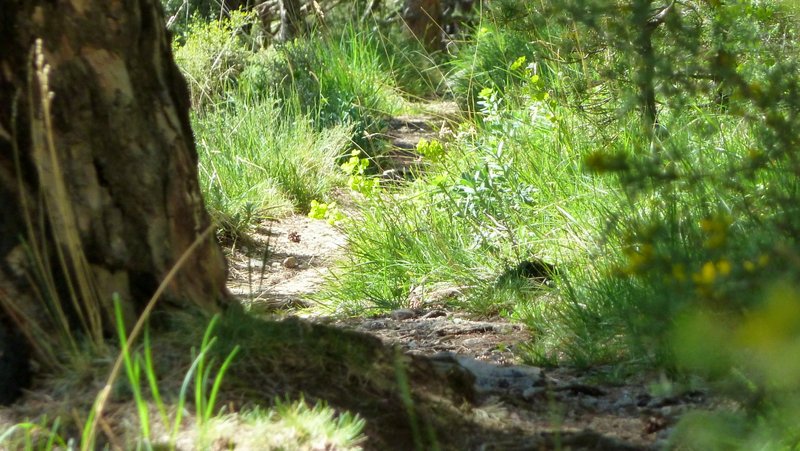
{"x": 417, "y": 73}
{"x": 496, "y": 58}
{"x": 64, "y": 318}
{"x": 338, "y": 79}
{"x": 256, "y": 163}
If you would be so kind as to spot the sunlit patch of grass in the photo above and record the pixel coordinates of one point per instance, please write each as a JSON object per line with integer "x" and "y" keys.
{"x": 288, "y": 425}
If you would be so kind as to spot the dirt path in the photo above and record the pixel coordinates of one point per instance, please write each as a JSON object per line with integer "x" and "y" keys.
{"x": 289, "y": 261}
{"x": 566, "y": 408}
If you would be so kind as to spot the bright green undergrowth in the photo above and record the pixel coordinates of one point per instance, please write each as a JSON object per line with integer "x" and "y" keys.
{"x": 287, "y": 425}
{"x": 510, "y": 191}
{"x": 676, "y": 245}
{"x": 272, "y": 123}
{"x": 211, "y": 55}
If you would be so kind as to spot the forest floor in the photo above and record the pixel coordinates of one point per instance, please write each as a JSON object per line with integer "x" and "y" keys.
{"x": 564, "y": 408}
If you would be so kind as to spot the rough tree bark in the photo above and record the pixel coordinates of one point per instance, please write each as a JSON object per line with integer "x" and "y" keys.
{"x": 423, "y": 18}
{"x": 123, "y": 144}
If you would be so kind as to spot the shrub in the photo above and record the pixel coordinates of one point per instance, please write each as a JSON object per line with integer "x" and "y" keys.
{"x": 212, "y": 56}
{"x": 489, "y": 63}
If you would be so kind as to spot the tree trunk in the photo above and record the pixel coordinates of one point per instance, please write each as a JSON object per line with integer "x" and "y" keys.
{"x": 646, "y": 77}
{"x": 423, "y": 19}
{"x": 97, "y": 161}
{"x": 372, "y": 8}
{"x": 292, "y": 22}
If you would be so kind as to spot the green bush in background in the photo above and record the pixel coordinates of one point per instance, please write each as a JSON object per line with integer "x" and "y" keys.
{"x": 337, "y": 79}
{"x": 212, "y": 56}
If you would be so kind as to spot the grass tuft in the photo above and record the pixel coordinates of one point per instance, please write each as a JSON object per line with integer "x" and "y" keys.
{"x": 257, "y": 164}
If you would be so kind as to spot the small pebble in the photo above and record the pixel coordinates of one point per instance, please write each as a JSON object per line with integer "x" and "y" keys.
{"x": 290, "y": 262}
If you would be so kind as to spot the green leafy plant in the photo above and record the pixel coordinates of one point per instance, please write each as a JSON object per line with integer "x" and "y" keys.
{"x": 212, "y": 55}
{"x": 330, "y": 212}
{"x": 494, "y": 60}
{"x": 358, "y": 180}
{"x": 432, "y": 150}
{"x": 509, "y": 190}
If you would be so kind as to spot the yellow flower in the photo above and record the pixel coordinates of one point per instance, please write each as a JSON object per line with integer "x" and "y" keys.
{"x": 710, "y": 271}
{"x": 706, "y": 275}
{"x": 518, "y": 63}
{"x": 724, "y": 267}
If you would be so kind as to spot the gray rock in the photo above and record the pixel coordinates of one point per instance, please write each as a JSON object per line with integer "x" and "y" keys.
{"x": 374, "y": 325}
{"x": 435, "y": 293}
{"x": 491, "y": 379}
{"x": 403, "y": 314}
{"x": 470, "y": 342}
{"x": 434, "y": 314}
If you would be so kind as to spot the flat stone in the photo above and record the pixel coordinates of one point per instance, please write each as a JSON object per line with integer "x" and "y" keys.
{"x": 434, "y": 314}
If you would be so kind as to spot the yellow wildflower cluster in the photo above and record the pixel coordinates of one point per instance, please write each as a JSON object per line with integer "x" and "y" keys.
{"x": 711, "y": 272}
{"x": 753, "y": 265}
